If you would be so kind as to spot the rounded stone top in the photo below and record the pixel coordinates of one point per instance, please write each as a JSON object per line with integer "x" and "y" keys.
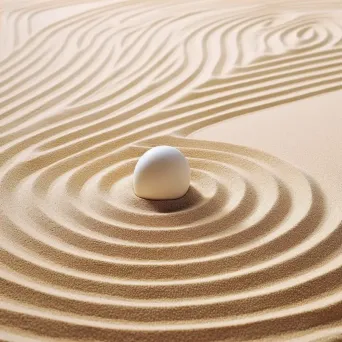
{"x": 161, "y": 173}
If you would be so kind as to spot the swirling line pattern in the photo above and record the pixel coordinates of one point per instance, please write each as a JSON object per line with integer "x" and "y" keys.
{"x": 251, "y": 252}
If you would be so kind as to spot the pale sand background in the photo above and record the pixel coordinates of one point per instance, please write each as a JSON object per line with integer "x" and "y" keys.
{"x": 250, "y": 91}
{"x": 306, "y": 133}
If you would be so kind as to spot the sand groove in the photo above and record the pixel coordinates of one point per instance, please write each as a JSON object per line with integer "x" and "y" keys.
{"x": 252, "y": 251}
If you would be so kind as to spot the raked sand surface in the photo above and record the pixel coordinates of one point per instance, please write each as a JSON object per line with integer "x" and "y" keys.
{"x": 250, "y": 92}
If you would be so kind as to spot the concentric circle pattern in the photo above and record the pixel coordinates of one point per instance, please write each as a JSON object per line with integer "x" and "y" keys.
{"x": 250, "y": 252}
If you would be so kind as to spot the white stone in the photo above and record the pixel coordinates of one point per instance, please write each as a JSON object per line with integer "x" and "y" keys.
{"x": 161, "y": 173}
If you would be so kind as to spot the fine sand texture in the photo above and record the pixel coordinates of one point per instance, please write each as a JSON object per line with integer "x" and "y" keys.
{"x": 250, "y": 91}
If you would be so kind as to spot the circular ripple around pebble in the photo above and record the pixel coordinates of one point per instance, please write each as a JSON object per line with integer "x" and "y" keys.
{"x": 244, "y": 251}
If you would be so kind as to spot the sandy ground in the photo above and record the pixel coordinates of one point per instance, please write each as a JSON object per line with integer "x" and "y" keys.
{"x": 306, "y": 133}
{"x": 250, "y": 92}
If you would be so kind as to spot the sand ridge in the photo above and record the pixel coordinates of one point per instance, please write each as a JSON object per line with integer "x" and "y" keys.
{"x": 251, "y": 252}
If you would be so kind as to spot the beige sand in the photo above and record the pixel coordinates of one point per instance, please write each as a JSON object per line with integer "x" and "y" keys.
{"x": 249, "y": 91}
